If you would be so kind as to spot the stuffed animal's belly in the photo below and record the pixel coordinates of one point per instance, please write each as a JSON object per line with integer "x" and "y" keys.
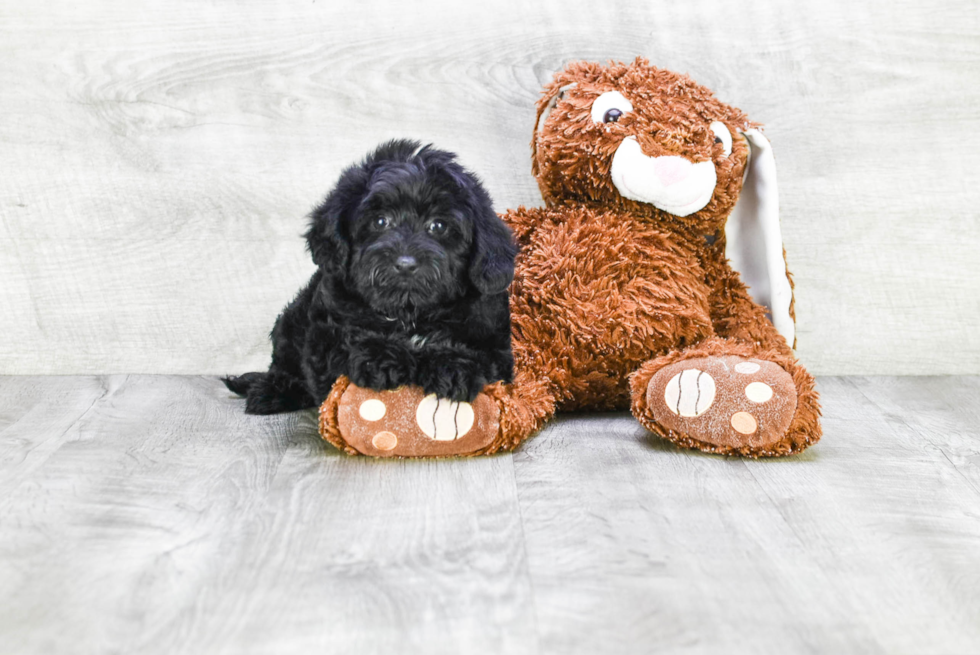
{"x": 592, "y": 301}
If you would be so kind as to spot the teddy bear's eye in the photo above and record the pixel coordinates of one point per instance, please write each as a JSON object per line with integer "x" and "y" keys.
{"x": 610, "y": 107}
{"x": 722, "y": 136}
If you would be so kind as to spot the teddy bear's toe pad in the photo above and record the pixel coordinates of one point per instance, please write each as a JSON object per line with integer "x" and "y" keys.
{"x": 725, "y": 401}
{"x": 405, "y": 422}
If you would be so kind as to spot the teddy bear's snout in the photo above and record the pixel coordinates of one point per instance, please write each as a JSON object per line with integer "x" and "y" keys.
{"x": 669, "y": 182}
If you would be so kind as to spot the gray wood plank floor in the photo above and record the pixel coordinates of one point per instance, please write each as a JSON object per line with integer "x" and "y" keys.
{"x": 148, "y": 514}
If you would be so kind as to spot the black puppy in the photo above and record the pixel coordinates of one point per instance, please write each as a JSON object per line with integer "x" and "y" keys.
{"x": 411, "y": 287}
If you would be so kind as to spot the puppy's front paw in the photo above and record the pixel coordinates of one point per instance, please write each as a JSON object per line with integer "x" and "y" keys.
{"x": 457, "y": 378}
{"x": 381, "y": 369}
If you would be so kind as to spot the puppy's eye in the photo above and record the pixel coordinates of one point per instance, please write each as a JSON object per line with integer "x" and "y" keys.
{"x": 722, "y": 136}
{"x": 437, "y": 227}
{"x": 610, "y": 107}
{"x": 381, "y": 222}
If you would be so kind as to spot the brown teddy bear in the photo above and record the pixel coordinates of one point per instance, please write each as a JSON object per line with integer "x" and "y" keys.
{"x": 628, "y": 290}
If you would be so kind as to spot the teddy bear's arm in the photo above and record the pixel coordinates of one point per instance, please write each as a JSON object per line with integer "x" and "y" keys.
{"x": 735, "y": 315}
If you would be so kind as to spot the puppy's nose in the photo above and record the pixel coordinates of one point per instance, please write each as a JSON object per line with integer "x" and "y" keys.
{"x": 406, "y": 264}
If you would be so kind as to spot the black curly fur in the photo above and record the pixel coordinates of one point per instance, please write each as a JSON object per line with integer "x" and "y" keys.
{"x": 395, "y": 300}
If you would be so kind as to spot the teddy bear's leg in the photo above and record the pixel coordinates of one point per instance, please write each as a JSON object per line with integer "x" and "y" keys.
{"x": 405, "y": 422}
{"x": 725, "y": 396}
{"x": 741, "y": 392}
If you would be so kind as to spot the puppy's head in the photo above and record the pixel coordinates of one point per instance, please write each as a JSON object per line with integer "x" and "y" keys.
{"x": 408, "y": 229}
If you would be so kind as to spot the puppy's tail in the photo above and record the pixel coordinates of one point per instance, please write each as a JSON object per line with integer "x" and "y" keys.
{"x": 266, "y": 393}
{"x": 240, "y": 384}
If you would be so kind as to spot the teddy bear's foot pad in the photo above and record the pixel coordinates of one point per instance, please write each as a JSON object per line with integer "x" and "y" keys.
{"x": 405, "y": 422}
{"x": 725, "y": 401}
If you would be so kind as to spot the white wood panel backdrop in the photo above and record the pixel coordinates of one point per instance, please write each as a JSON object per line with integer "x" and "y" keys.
{"x": 157, "y": 160}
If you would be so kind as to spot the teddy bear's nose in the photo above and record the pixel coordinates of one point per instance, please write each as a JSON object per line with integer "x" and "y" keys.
{"x": 670, "y": 170}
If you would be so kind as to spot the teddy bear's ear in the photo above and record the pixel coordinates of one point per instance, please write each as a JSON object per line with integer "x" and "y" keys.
{"x": 753, "y": 242}
{"x": 544, "y": 110}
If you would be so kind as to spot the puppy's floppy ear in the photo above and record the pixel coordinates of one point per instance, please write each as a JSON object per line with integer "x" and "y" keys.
{"x": 327, "y": 238}
{"x": 494, "y": 250}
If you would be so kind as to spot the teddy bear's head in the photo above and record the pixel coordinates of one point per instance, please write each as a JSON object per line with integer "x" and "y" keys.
{"x": 642, "y": 138}
{"x": 658, "y": 145}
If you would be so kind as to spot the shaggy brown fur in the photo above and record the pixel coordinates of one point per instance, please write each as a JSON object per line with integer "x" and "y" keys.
{"x": 609, "y": 291}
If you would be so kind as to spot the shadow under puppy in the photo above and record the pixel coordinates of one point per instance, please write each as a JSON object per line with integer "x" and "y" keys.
{"x": 411, "y": 287}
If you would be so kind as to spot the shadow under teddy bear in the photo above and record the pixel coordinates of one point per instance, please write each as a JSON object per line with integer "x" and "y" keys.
{"x": 628, "y": 290}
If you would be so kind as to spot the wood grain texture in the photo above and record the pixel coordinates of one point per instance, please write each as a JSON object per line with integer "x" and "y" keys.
{"x": 147, "y": 514}
{"x": 169, "y": 522}
{"x": 158, "y": 161}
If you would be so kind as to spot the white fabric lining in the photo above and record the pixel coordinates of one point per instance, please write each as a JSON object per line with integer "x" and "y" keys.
{"x": 754, "y": 244}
